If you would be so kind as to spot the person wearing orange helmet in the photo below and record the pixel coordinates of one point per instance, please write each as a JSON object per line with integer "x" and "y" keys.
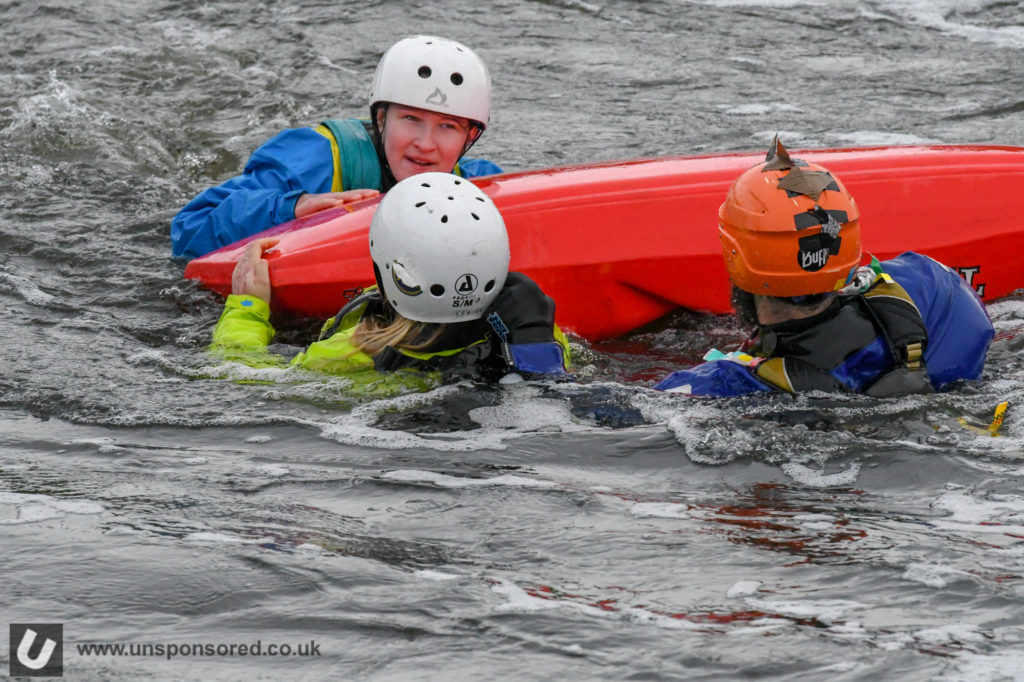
{"x": 791, "y": 241}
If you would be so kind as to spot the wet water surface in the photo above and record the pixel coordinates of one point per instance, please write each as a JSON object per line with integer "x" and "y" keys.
{"x": 151, "y": 495}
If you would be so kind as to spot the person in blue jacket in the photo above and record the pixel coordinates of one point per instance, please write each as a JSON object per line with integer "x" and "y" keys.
{"x": 445, "y": 305}
{"x": 430, "y": 101}
{"x": 791, "y": 240}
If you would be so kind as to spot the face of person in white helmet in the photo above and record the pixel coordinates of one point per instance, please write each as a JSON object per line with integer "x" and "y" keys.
{"x": 429, "y": 93}
{"x": 440, "y": 248}
{"x": 421, "y": 141}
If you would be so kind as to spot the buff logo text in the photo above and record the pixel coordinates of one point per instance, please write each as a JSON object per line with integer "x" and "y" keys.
{"x": 814, "y": 260}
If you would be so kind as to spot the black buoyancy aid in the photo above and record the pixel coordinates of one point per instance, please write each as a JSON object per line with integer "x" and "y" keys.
{"x": 476, "y": 354}
{"x": 882, "y": 322}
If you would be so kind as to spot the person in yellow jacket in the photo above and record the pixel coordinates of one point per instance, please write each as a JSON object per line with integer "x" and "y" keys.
{"x": 445, "y": 304}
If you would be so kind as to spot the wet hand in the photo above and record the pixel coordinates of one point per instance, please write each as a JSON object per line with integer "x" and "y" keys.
{"x": 251, "y": 276}
{"x": 308, "y": 204}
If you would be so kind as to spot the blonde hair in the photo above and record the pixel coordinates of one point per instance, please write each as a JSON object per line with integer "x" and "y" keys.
{"x": 372, "y": 335}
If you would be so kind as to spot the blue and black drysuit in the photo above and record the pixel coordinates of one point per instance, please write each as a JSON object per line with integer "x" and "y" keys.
{"x": 918, "y": 327}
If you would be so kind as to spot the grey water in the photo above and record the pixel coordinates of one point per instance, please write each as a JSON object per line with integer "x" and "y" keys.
{"x": 150, "y": 495}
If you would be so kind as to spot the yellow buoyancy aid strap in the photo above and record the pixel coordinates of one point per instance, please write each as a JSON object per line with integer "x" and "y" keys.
{"x": 335, "y": 154}
{"x": 773, "y": 371}
{"x": 356, "y": 164}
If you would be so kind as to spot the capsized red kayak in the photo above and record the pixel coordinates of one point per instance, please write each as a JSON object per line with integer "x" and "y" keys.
{"x": 618, "y": 245}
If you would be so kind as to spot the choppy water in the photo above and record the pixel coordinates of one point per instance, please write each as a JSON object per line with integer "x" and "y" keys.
{"x": 595, "y": 531}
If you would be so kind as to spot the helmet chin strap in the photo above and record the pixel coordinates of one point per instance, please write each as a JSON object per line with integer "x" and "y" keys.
{"x": 387, "y": 177}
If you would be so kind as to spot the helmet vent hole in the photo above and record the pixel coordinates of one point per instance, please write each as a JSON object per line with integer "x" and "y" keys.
{"x": 451, "y": 198}
{"x": 475, "y": 217}
{"x": 424, "y": 184}
{"x": 480, "y": 199}
{"x": 444, "y": 219}
{"x": 456, "y": 79}
{"x": 371, "y": 242}
{"x": 458, "y": 182}
{"x": 488, "y": 286}
{"x": 420, "y": 204}
{"x": 424, "y": 72}
{"x": 437, "y": 290}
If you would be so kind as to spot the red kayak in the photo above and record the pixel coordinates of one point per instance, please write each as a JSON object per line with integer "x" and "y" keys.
{"x": 618, "y": 245}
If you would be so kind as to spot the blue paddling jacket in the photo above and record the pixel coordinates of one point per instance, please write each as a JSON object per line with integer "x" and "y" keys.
{"x": 336, "y": 156}
{"x": 918, "y": 327}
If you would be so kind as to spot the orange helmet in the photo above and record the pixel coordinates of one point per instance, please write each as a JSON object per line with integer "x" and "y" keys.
{"x": 789, "y": 228}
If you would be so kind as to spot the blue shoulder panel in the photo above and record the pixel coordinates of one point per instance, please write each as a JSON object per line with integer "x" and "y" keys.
{"x": 538, "y": 358}
{"x": 719, "y": 378}
{"x": 473, "y": 168}
{"x": 959, "y": 329}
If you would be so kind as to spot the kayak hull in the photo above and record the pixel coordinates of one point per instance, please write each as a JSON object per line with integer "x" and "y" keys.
{"x": 618, "y": 245}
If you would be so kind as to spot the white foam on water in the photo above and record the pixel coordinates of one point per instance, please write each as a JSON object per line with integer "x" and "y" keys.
{"x": 356, "y": 427}
{"x": 272, "y": 470}
{"x": 259, "y": 438}
{"x": 950, "y": 634}
{"x": 56, "y": 106}
{"x": 1006, "y": 313}
{"x": 195, "y": 461}
{"x": 522, "y": 410}
{"x": 762, "y": 3}
{"x": 519, "y": 601}
{"x": 446, "y": 481}
{"x": 817, "y": 479}
{"x": 974, "y": 667}
{"x": 968, "y": 510}
{"x": 93, "y": 441}
{"x": 756, "y": 109}
{"x": 27, "y": 289}
{"x": 236, "y": 371}
{"x": 645, "y": 617}
{"x": 849, "y": 629}
{"x": 309, "y": 547}
{"x": 743, "y": 588}
{"x": 325, "y": 61}
{"x": 661, "y": 510}
{"x": 932, "y": 575}
{"x": 824, "y": 609}
{"x": 935, "y": 14}
{"x": 759, "y": 627}
{"x": 521, "y": 413}
{"x": 206, "y": 536}
{"x": 21, "y": 508}
{"x": 437, "y": 576}
{"x": 693, "y": 422}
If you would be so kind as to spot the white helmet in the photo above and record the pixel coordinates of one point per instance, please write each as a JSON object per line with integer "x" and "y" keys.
{"x": 435, "y": 74}
{"x": 440, "y": 248}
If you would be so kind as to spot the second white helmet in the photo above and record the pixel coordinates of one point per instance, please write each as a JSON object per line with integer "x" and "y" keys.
{"x": 440, "y": 248}
{"x": 436, "y": 74}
